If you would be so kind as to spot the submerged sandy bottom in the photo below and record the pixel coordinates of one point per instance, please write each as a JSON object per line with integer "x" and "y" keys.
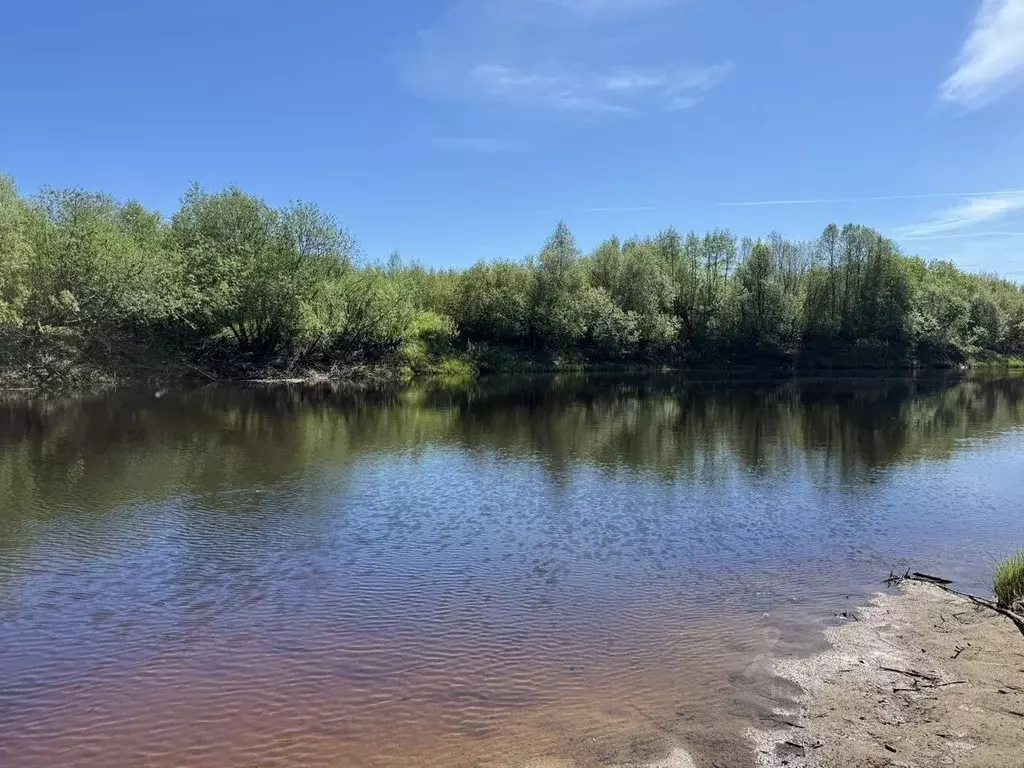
{"x": 679, "y": 758}
{"x": 673, "y": 713}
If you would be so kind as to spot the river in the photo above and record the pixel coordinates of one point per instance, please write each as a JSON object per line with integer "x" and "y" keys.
{"x": 549, "y": 571}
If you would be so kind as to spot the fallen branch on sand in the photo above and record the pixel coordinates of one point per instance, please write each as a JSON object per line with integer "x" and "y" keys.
{"x": 917, "y": 688}
{"x": 910, "y": 673}
{"x": 943, "y": 584}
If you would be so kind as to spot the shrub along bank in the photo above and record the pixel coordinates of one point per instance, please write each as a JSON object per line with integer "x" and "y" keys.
{"x": 94, "y": 290}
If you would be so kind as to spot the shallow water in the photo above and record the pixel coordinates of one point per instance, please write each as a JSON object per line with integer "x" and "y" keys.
{"x": 589, "y": 569}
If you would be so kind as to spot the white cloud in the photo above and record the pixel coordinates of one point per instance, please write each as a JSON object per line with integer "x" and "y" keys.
{"x": 992, "y": 59}
{"x": 973, "y": 211}
{"x": 553, "y": 54}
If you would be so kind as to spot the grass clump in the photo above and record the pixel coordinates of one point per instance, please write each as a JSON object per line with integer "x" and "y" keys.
{"x": 1008, "y": 581}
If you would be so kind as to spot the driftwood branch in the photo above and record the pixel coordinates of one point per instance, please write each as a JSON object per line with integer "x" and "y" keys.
{"x": 943, "y": 584}
{"x": 911, "y": 673}
{"x": 918, "y": 688}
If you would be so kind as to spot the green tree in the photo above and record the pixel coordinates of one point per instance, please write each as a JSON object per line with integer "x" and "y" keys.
{"x": 762, "y": 305}
{"x": 233, "y": 286}
{"x": 559, "y": 319}
{"x": 16, "y": 254}
{"x": 646, "y": 290}
{"x": 494, "y": 302}
{"x": 254, "y": 271}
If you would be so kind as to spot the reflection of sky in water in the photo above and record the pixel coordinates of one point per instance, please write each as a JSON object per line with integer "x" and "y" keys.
{"x": 468, "y": 552}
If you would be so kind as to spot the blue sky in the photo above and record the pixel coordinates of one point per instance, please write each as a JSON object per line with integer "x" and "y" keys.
{"x": 452, "y": 130}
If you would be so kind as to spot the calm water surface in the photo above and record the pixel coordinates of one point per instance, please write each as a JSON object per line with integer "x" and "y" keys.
{"x": 513, "y": 574}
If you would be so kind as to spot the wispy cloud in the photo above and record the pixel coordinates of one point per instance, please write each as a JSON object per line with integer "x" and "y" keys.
{"x": 602, "y": 7}
{"x": 619, "y": 91}
{"x": 880, "y": 198}
{"x": 992, "y": 59}
{"x": 489, "y": 145}
{"x": 962, "y": 235}
{"x": 549, "y": 54}
{"x": 970, "y": 213}
{"x": 622, "y": 209}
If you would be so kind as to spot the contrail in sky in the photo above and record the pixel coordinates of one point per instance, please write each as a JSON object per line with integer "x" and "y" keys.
{"x": 960, "y": 234}
{"x": 824, "y": 200}
{"x": 625, "y": 209}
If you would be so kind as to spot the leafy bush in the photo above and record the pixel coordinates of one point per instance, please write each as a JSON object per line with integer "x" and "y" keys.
{"x": 16, "y": 254}
{"x": 456, "y": 368}
{"x": 613, "y": 332}
{"x": 232, "y": 286}
{"x": 429, "y": 337}
{"x": 493, "y": 302}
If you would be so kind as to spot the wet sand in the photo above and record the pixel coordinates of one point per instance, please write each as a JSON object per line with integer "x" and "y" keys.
{"x": 920, "y": 679}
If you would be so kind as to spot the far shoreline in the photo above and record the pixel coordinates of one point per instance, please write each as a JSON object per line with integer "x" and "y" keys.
{"x": 466, "y": 372}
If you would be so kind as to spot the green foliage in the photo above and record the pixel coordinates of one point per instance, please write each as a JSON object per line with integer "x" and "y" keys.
{"x": 560, "y": 282}
{"x": 92, "y": 265}
{"x": 255, "y": 270}
{"x": 1008, "y": 581}
{"x": 231, "y": 286}
{"x": 377, "y": 313}
{"x": 612, "y": 331}
{"x": 455, "y": 369}
{"x": 605, "y": 266}
{"x": 493, "y": 302}
{"x": 645, "y": 290}
{"x": 941, "y": 314}
{"x": 761, "y": 303}
{"x": 361, "y": 315}
{"x": 428, "y": 339}
{"x": 15, "y": 254}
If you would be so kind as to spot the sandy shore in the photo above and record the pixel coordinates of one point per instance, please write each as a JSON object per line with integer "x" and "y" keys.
{"x": 914, "y": 680}
{"x": 923, "y": 679}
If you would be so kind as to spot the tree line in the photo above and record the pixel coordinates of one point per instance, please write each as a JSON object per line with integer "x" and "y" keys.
{"x": 229, "y": 286}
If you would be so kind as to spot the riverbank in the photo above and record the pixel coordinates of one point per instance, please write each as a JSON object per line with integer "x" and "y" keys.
{"x": 54, "y": 361}
{"x": 85, "y": 376}
{"x": 924, "y": 678}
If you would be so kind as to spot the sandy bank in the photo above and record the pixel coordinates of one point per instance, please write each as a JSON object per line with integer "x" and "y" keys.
{"x": 924, "y": 678}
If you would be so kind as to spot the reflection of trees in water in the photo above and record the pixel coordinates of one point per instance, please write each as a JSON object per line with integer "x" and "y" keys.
{"x": 672, "y": 428}
{"x": 114, "y": 448}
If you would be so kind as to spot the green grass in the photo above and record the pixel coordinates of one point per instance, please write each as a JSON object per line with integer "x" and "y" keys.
{"x": 1008, "y": 581}
{"x": 1000, "y": 363}
{"x": 456, "y": 368}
